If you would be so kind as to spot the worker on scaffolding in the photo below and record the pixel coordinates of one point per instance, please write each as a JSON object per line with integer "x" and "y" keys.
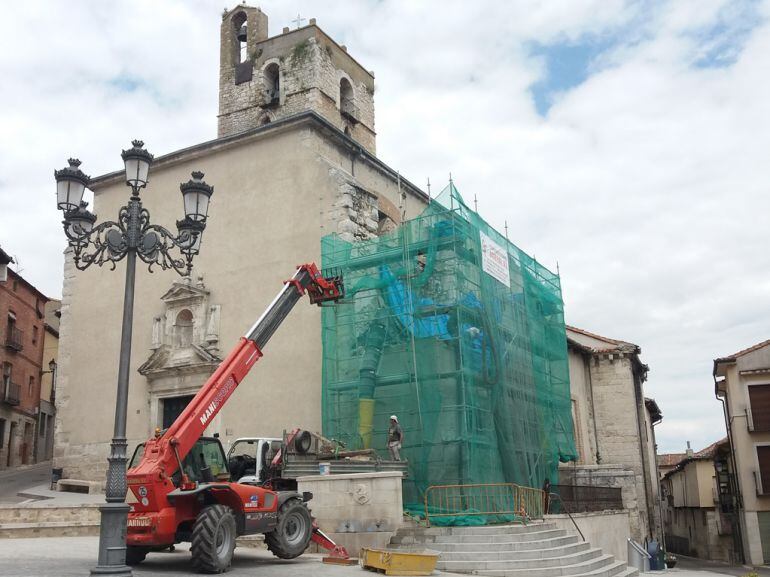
{"x": 395, "y": 438}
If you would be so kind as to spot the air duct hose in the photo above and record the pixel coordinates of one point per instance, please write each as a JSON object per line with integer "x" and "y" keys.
{"x": 375, "y": 339}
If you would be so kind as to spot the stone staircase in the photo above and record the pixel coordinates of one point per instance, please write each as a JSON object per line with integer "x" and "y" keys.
{"x": 535, "y": 550}
{"x": 48, "y": 520}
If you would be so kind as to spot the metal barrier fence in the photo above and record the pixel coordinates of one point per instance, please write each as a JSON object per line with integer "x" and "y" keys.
{"x": 488, "y": 499}
{"x": 585, "y": 499}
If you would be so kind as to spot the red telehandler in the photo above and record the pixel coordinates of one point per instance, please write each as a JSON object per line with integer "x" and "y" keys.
{"x": 179, "y": 486}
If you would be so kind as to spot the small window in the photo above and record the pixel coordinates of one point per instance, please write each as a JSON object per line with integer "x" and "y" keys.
{"x": 34, "y": 335}
{"x": 41, "y": 429}
{"x": 763, "y": 459}
{"x": 31, "y": 386}
{"x": 2, "y": 433}
{"x": 272, "y": 80}
{"x": 347, "y": 102}
{"x": 759, "y": 401}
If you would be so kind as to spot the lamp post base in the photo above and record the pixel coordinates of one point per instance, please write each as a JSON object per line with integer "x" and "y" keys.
{"x": 112, "y": 541}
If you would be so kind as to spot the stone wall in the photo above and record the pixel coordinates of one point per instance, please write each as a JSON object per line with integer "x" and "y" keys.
{"x": 610, "y": 476}
{"x": 311, "y": 66}
{"x": 356, "y": 510}
{"x": 607, "y": 530}
{"x": 693, "y": 531}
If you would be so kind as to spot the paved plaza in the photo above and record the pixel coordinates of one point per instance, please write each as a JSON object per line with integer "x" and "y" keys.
{"x": 74, "y": 556}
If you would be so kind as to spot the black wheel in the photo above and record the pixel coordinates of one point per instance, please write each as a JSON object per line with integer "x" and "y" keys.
{"x": 302, "y": 442}
{"x": 135, "y": 555}
{"x": 213, "y": 539}
{"x": 292, "y": 535}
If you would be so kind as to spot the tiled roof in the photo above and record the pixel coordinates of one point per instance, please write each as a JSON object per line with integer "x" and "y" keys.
{"x": 709, "y": 451}
{"x": 5, "y": 258}
{"x": 670, "y": 459}
{"x": 734, "y": 356}
{"x": 674, "y": 459}
{"x": 615, "y": 344}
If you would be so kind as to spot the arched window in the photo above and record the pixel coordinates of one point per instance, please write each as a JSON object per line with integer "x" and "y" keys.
{"x": 347, "y": 101}
{"x": 183, "y": 328}
{"x": 346, "y": 95}
{"x": 272, "y": 83}
{"x": 241, "y": 35}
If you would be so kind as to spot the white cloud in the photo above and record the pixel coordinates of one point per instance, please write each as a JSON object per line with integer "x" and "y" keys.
{"x": 647, "y": 182}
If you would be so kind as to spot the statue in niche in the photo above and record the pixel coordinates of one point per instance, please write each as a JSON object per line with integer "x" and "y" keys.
{"x": 212, "y": 330}
{"x": 183, "y": 329}
{"x": 157, "y": 332}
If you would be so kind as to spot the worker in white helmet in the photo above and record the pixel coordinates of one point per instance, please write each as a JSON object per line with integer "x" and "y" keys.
{"x": 395, "y": 438}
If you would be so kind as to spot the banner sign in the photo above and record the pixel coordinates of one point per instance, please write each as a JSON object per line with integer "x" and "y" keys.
{"x": 494, "y": 260}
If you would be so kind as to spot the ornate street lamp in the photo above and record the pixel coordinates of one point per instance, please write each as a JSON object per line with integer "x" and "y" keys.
{"x": 130, "y": 236}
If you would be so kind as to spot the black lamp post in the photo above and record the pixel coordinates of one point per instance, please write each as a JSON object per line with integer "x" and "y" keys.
{"x": 130, "y": 236}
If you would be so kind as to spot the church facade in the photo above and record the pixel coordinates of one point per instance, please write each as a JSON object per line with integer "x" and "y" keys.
{"x": 294, "y": 160}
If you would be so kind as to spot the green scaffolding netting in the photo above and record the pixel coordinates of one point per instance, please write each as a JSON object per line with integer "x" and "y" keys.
{"x": 448, "y": 325}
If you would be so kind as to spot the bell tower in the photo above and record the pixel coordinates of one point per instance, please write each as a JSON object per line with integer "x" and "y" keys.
{"x": 263, "y": 79}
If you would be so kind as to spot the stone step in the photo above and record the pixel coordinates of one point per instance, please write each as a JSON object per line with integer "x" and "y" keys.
{"x": 597, "y": 564}
{"x": 511, "y": 529}
{"x": 516, "y": 555}
{"x": 44, "y": 513}
{"x": 475, "y": 563}
{"x": 499, "y": 537}
{"x": 543, "y": 544}
{"x": 617, "y": 569}
{"x": 49, "y": 529}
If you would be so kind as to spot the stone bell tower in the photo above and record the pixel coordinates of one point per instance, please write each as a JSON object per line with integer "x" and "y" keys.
{"x": 264, "y": 79}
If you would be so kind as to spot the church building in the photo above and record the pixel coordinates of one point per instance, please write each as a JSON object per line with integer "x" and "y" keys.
{"x": 294, "y": 160}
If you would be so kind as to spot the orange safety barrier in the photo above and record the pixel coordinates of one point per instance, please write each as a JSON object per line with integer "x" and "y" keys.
{"x": 484, "y": 499}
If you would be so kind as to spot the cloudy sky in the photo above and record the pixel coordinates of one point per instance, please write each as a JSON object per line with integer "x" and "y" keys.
{"x": 627, "y": 141}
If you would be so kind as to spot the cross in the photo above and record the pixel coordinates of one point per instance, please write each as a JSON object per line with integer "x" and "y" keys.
{"x": 298, "y": 20}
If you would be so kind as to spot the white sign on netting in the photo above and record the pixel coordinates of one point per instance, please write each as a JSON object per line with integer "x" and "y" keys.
{"x": 494, "y": 260}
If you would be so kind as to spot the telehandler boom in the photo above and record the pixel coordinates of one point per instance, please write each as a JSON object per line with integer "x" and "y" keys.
{"x": 179, "y": 486}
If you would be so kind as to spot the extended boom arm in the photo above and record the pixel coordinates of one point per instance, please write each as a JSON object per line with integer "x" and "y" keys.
{"x": 164, "y": 454}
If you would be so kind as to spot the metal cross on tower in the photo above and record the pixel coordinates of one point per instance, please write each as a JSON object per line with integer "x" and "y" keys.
{"x": 299, "y": 20}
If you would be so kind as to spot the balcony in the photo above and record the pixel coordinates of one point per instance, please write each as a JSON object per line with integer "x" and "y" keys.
{"x": 13, "y": 339}
{"x": 349, "y": 110}
{"x": 11, "y": 394}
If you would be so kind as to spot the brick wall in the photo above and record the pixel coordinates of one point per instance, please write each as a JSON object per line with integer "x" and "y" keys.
{"x": 21, "y": 352}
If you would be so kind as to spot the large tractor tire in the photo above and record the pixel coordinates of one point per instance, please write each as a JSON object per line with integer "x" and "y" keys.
{"x": 135, "y": 555}
{"x": 292, "y": 534}
{"x": 213, "y": 539}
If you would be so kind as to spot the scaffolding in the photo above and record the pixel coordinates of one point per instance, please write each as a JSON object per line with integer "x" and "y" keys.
{"x": 450, "y": 326}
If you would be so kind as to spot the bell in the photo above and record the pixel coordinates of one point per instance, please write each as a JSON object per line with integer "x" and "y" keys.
{"x": 242, "y": 34}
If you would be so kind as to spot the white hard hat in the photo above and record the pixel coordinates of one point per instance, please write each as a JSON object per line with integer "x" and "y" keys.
{"x": 394, "y": 418}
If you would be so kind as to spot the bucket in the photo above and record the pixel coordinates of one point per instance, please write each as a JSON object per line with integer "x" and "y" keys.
{"x": 324, "y": 468}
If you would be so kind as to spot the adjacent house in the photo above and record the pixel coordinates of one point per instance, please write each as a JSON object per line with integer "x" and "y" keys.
{"x": 742, "y": 384}
{"x": 696, "y": 504}
{"x": 614, "y": 426}
{"x": 22, "y": 312}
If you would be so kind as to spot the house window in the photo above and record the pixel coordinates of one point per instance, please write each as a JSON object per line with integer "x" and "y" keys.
{"x": 763, "y": 458}
{"x": 7, "y": 371}
{"x": 34, "y": 335}
{"x": 41, "y": 432}
{"x": 759, "y": 402}
{"x": 31, "y": 386}
{"x": 2, "y": 433}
